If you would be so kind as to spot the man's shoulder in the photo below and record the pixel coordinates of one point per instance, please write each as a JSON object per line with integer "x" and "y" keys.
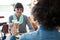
{"x": 25, "y": 16}
{"x": 11, "y": 16}
{"x": 28, "y": 36}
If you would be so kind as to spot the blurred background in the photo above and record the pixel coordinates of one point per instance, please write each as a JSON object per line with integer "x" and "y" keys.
{"x": 7, "y": 7}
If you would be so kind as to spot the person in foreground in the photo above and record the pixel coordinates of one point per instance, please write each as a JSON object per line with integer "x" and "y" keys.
{"x": 47, "y": 13}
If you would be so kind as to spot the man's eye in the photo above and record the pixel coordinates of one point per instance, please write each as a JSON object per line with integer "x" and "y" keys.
{"x": 17, "y": 9}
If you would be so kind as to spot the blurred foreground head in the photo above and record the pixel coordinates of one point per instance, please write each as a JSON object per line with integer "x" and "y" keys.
{"x": 47, "y": 13}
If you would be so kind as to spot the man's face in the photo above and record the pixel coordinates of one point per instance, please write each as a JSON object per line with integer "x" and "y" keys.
{"x": 18, "y": 11}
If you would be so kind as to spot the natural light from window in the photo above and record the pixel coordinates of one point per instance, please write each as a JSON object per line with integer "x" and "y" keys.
{"x": 6, "y": 8}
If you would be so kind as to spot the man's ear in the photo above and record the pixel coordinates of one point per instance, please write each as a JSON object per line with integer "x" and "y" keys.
{"x": 14, "y": 9}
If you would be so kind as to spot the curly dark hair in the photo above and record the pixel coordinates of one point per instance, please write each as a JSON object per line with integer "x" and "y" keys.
{"x": 47, "y": 13}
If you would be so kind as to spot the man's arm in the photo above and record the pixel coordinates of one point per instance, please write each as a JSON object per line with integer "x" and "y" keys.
{"x": 29, "y": 25}
{"x": 13, "y": 38}
{"x": 10, "y": 19}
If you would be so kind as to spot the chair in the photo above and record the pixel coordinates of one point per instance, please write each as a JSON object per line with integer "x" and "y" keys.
{"x": 4, "y": 30}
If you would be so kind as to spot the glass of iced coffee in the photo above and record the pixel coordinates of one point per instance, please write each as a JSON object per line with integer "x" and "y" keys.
{"x": 16, "y": 24}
